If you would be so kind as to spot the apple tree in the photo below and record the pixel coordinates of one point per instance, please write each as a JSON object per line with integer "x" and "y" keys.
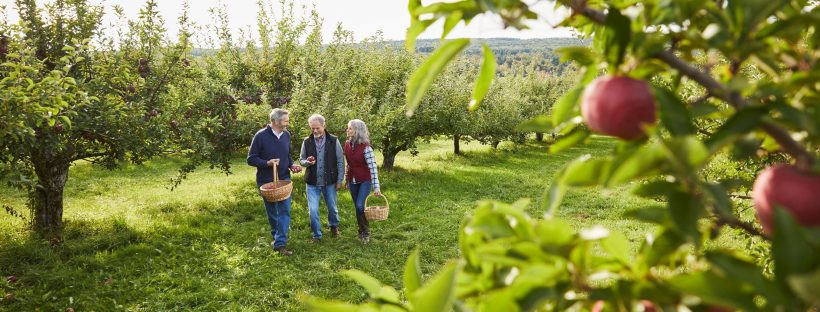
{"x": 70, "y": 93}
{"x": 753, "y": 65}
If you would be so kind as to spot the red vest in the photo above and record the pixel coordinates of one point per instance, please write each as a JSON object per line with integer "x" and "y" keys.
{"x": 356, "y": 164}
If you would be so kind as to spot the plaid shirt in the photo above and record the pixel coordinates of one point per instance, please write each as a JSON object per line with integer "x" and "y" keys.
{"x": 371, "y": 164}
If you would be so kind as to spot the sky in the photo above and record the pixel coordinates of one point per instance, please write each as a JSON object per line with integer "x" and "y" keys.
{"x": 363, "y": 17}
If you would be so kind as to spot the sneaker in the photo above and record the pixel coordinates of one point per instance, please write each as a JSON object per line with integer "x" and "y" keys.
{"x": 316, "y": 240}
{"x": 365, "y": 239}
{"x": 283, "y": 251}
{"x": 334, "y": 231}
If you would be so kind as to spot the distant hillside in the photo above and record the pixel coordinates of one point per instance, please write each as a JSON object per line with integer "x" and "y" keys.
{"x": 507, "y": 45}
{"x": 510, "y": 53}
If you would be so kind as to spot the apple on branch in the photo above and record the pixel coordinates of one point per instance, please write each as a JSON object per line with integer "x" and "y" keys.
{"x": 618, "y": 106}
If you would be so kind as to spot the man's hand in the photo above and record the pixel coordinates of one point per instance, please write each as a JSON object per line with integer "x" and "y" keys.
{"x": 273, "y": 161}
{"x": 295, "y": 169}
{"x": 339, "y": 186}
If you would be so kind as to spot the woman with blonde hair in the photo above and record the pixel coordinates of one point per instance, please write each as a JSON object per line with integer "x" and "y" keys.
{"x": 361, "y": 173}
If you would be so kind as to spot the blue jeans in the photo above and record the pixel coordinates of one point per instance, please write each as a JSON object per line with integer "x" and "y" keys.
{"x": 359, "y": 192}
{"x": 279, "y": 220}
{"x": 329, "y": 193}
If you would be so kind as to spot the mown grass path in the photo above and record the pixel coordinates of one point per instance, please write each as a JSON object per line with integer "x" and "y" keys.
{"x": 132, "y": 244}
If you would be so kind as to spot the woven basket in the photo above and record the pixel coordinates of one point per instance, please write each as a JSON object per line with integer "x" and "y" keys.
{"x": 278, "y": 190}
{"x": 376, "y": 213}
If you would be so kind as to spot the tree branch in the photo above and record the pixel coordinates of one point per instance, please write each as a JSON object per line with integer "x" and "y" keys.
{"x": 746, "y": 227}
{"x": 804, "y": 159}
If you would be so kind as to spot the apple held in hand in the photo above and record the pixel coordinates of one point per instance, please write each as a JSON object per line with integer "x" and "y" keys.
{"x": 618, "y": 106}
{"x": 788, "y": 187}
{"x": 311, "y": 159}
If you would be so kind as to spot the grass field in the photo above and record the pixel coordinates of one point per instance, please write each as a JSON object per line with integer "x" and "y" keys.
{"x": 132, "y": 244}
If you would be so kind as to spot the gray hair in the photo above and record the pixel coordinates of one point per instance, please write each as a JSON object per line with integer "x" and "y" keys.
{"x": 361, "y": 135}
{"x": 276, "y": 115}
{"x": 317, "y": 117}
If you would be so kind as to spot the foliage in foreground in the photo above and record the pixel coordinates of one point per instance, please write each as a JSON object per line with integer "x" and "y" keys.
{"x": 751, "y": 67}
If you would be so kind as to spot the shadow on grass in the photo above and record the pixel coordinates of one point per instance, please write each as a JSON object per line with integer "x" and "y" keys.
{"x": 215, "y": 255}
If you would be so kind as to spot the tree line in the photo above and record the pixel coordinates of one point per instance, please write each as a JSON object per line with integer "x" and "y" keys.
{"x": 74, "y": 89}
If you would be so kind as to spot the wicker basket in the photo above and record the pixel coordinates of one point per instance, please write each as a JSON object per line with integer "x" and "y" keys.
{"x": 278, "y": 190}
{"x": 376, "y": 213}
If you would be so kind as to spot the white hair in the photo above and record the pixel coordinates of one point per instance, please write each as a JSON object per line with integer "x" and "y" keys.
{"x": 317, "y": 117}
{"x": 361, "y": 134}
{"x": 276, "y": 115}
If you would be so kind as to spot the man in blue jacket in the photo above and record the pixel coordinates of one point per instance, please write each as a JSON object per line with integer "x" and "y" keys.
{"x": 272, "y": 145}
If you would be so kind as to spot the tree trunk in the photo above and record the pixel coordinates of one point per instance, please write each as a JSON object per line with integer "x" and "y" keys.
{"x": 539, "y": 137}
{"x": 495, "y": 144}
{"x": 456, "y": 144}
{"x": 47, "y": 198}
{"x": 389, "y": 159}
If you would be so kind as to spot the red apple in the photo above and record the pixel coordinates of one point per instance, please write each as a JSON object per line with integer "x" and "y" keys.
{"x": 311, "y": 158}
{"x": 598, "y": 306}
{"x": 69, "y": 310}
{"x": 648, "y": 306}
{"x": 618, "y": 106}
{"x": 8, "y": 297}
{"x": 58, "y": 128}
{"x": 11, "y": 279}
{"x": 788, "y": 187}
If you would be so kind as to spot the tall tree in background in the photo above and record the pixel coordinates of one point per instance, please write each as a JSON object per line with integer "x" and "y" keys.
{"x": 65, "y": 99}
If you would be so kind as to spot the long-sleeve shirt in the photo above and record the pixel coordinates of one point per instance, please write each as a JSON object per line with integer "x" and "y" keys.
{"x": 370, "y": 158}
{"x": 320, "y": 160}
{"x": 266, "y": 146}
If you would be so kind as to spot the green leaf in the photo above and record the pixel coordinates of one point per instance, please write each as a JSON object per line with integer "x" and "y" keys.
{"x": 673, "y": 113}
{"x": 540, "y": 123}
{"x": 653, "y": 214}
{"x": 686, "y": 154}
{"x": 721, "y": 201}
{"x": 554, "y": 194}
{"x": 806, "y": 286}
{"x": 450, "y": 22}
{"x": 685, "y": 211}
{"x": 567, "y": 106}
{"x": 715, "y": 289}
{"x": 582, "y": 55}
{"x": 616, "y": 37}
{"x": 740, "y": 123}
{"x": 644, "y": 161}
{"x": 485, "y": 77}
{"x": 416, "y": 28}
{"x": 388, "y": 294}
{"x": 617, "y": 245}
{"x": 319, "y": 305}
{"x": 585, "y": 171}
{"x": 439, "y": 293}
{"x": 667, "y": 243}
{"x": 655, "y": 189}
{"x": 743, "y": 271}
{"x": 554, "y": 232}
{"x": 372, "y": 285}
{"x": 792, "y": 252}
{"x": 412, "y": 272}
{"x": 577, "y": 136}
{"x": 424, "y": 76}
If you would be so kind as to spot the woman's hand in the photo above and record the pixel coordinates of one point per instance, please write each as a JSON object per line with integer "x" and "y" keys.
{"x": 377, "y": 193}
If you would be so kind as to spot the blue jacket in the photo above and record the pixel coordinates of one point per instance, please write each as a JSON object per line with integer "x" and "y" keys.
{"x": 266, "y": 146}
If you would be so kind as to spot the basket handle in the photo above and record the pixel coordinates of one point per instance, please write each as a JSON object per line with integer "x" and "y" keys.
{"x": 275, "y": 173}
{"x": 382, "y": 195}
